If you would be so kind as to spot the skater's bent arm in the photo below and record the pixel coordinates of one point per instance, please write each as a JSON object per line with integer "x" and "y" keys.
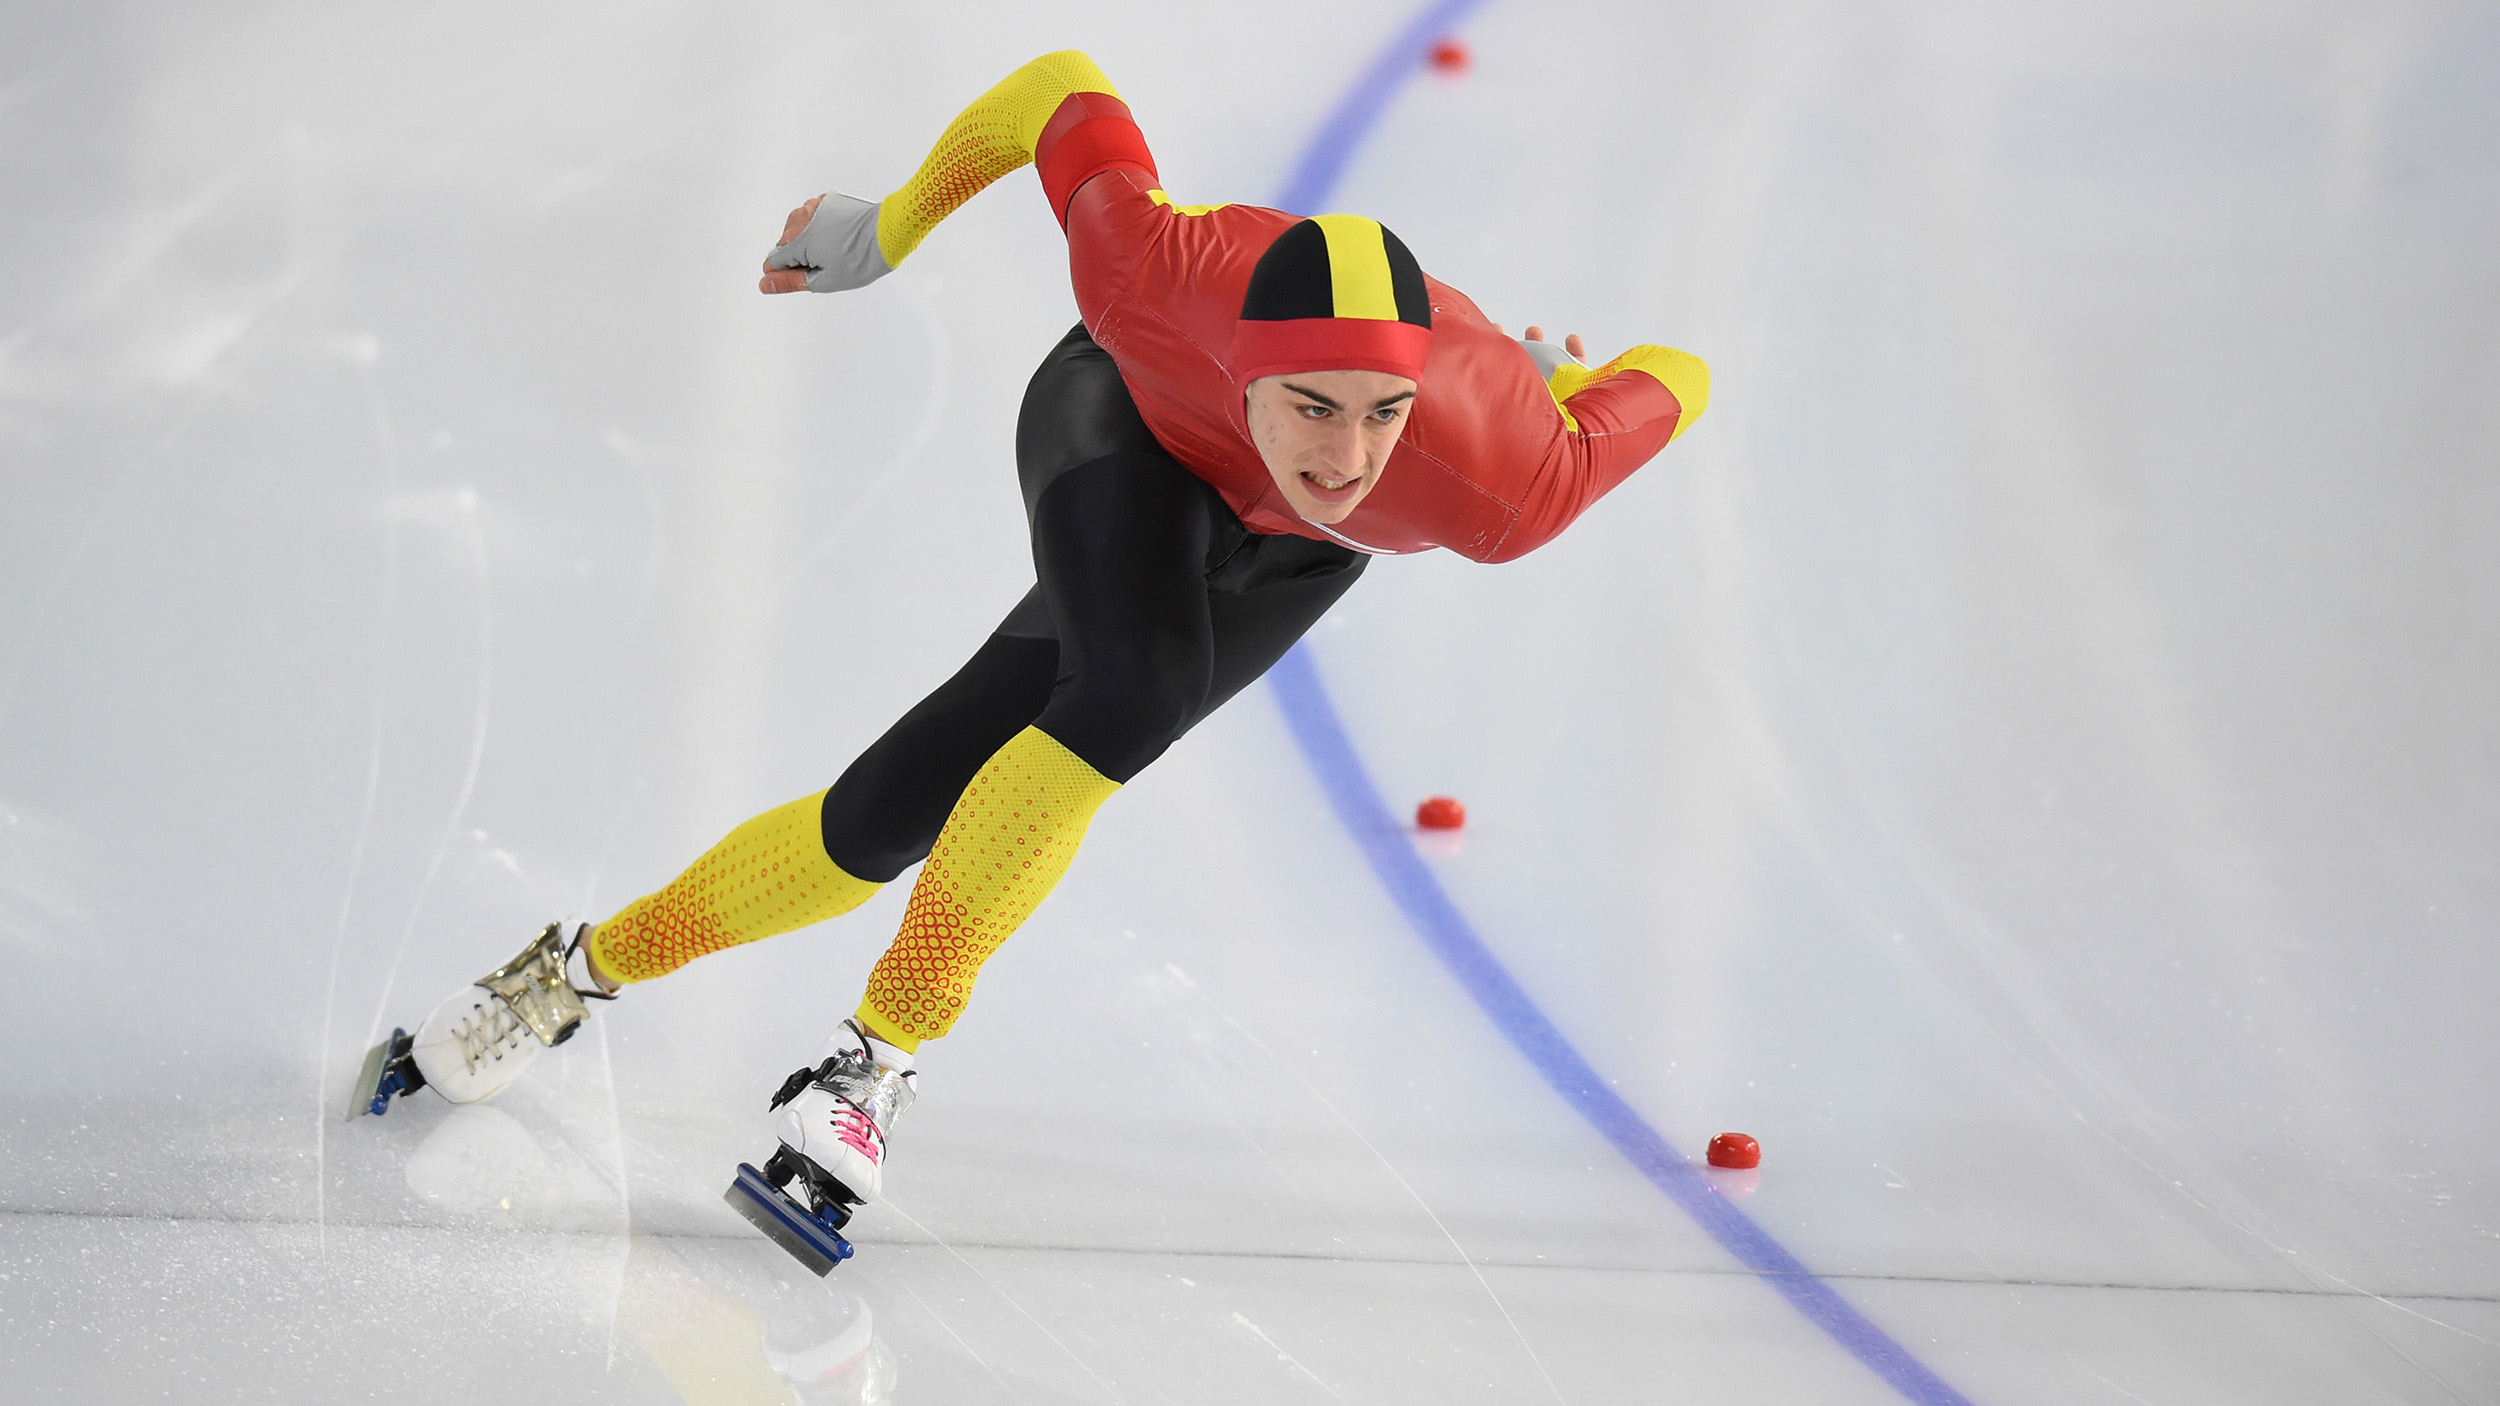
{"x": 1615, "y": 418}
{"x": 1058, "y": 111}
{"x": 1684, "y": 376}
{"x": 1620, "y": 392}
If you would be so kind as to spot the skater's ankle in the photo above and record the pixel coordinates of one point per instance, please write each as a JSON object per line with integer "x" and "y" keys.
{"x": 881, "y": 1053}
{"x": 886, "y": 1056}
{"x": 590, "y": 964}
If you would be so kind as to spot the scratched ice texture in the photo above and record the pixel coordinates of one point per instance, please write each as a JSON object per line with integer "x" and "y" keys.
{"x": 2029, "y": 756}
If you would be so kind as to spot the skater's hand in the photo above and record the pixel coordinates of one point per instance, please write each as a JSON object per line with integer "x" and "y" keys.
{"x": 790, "y": 280}
{"x": 1579, "y": 350}
{"x": 827, "y": 245}
{"x": 1547, "y": 357}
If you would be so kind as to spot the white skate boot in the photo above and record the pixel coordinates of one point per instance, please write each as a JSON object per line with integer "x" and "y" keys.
{"x": 481, "y": 1037}
{"x": 836, "y": 1116}
{"x": 835, "y": 1119}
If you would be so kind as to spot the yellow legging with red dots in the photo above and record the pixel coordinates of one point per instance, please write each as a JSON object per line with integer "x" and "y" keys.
{"x": 1001, "y": 851}
{"x": 770, "y": 875}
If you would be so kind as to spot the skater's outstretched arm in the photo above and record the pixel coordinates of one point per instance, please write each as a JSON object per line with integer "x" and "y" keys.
{"x": 1058, "y": 111}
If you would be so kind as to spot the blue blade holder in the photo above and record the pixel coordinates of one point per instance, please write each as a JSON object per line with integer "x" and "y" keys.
{"x": 813, "y": 1240}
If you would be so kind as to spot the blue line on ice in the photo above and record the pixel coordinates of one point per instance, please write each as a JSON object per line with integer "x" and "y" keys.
{"x": 1330, "y": 753}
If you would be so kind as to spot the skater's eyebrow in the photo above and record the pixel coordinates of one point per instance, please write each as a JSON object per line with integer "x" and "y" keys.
{"x": 1315, "y": 395}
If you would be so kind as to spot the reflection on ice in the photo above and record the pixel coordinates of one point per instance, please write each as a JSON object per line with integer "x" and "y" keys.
{"x": 1733, "y": 1181}
{"x": 723, "y": 1325}
{"x": 480, "y": 1158}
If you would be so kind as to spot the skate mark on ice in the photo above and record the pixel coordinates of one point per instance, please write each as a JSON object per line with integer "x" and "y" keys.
{"x": 1226, "y": 1016}
{"x": 2395, "y": 1299}
{"x": 1409, "y": 1187}
{"x": 624, "y": 1196}
{"x": 1893, "y": 1176}
{"x": 2113, "y": 1386}
{"x": 978, "y": 1360}
{"x": 473, "y": 538}
{"x": 1320, "y": 735}
{"x": 1012, "y": 1301}
{"x": 1261, "y": 1335}
{"x": 1328, "y": 1220}
{"x": 386, "y": 447}
{"x": 146, "y": 242}
{"x": 2196, "y": 1183}
{"x": 1338, "y": 1230}
{"x": 2058, "y": 1059}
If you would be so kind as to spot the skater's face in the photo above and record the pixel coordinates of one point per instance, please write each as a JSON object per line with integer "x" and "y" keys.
{"x": 1326, "y": 435}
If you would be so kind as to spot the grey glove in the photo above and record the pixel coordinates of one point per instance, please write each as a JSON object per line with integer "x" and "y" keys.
{"x": 838, "y": 248}
{"x": 1546, "y": 355}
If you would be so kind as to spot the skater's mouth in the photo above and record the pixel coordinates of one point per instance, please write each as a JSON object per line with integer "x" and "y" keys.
{"x": 1331, "y": 489}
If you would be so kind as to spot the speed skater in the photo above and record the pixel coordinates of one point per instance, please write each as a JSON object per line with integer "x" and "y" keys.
{"x": 1254, "y": 405}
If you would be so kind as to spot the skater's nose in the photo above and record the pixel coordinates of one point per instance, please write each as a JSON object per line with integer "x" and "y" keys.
{"x": 1340, "y": 447}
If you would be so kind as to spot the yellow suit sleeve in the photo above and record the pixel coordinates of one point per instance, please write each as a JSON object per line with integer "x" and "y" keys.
{"x": 993, "y": 137}
{"x": 1686, "y": 377}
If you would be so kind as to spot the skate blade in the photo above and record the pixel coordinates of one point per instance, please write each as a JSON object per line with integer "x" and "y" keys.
{"x": 771, "y": 1211}
{"x": 375, "y": 1083}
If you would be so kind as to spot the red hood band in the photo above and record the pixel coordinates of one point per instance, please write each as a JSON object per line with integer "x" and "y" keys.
{"x": 1328, "y": 344}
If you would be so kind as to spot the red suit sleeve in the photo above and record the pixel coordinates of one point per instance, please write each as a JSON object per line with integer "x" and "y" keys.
{"x": 1616, "y": 417}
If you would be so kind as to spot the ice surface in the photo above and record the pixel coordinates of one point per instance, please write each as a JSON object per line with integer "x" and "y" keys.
{"x": 2028, "y": 756}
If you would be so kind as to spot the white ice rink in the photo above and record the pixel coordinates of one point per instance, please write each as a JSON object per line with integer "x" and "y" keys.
{"x": 2030, "y": 756}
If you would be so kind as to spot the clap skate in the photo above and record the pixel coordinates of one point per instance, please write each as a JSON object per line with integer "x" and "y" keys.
{"x": 833, "y": 1126}
{"x": 482, "y": 1036}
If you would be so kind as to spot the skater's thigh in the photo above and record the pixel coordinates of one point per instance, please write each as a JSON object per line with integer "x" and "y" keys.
{"x": 1120, "y": 545}
{"x": 885, "y": 812}
{"x": 1254, "y": 628}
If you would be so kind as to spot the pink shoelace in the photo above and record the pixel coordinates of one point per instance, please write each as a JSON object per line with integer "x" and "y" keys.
{"x": 859, "y": 1132}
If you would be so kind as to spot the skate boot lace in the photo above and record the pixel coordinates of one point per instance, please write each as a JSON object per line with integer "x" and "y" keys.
{"x": 868, "y": 1098}
{"x": 871, "y": 1099}
{"x": 860, "y": 1132}
{"x": 486, "y": 1032}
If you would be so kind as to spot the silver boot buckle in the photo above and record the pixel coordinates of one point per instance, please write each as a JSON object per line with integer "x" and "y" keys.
{"x": 535, "y": 986}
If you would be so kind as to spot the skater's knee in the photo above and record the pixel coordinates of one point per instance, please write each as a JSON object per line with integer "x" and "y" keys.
{"x": 884, "y": 813}
{"x": 1119, "y": 728}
